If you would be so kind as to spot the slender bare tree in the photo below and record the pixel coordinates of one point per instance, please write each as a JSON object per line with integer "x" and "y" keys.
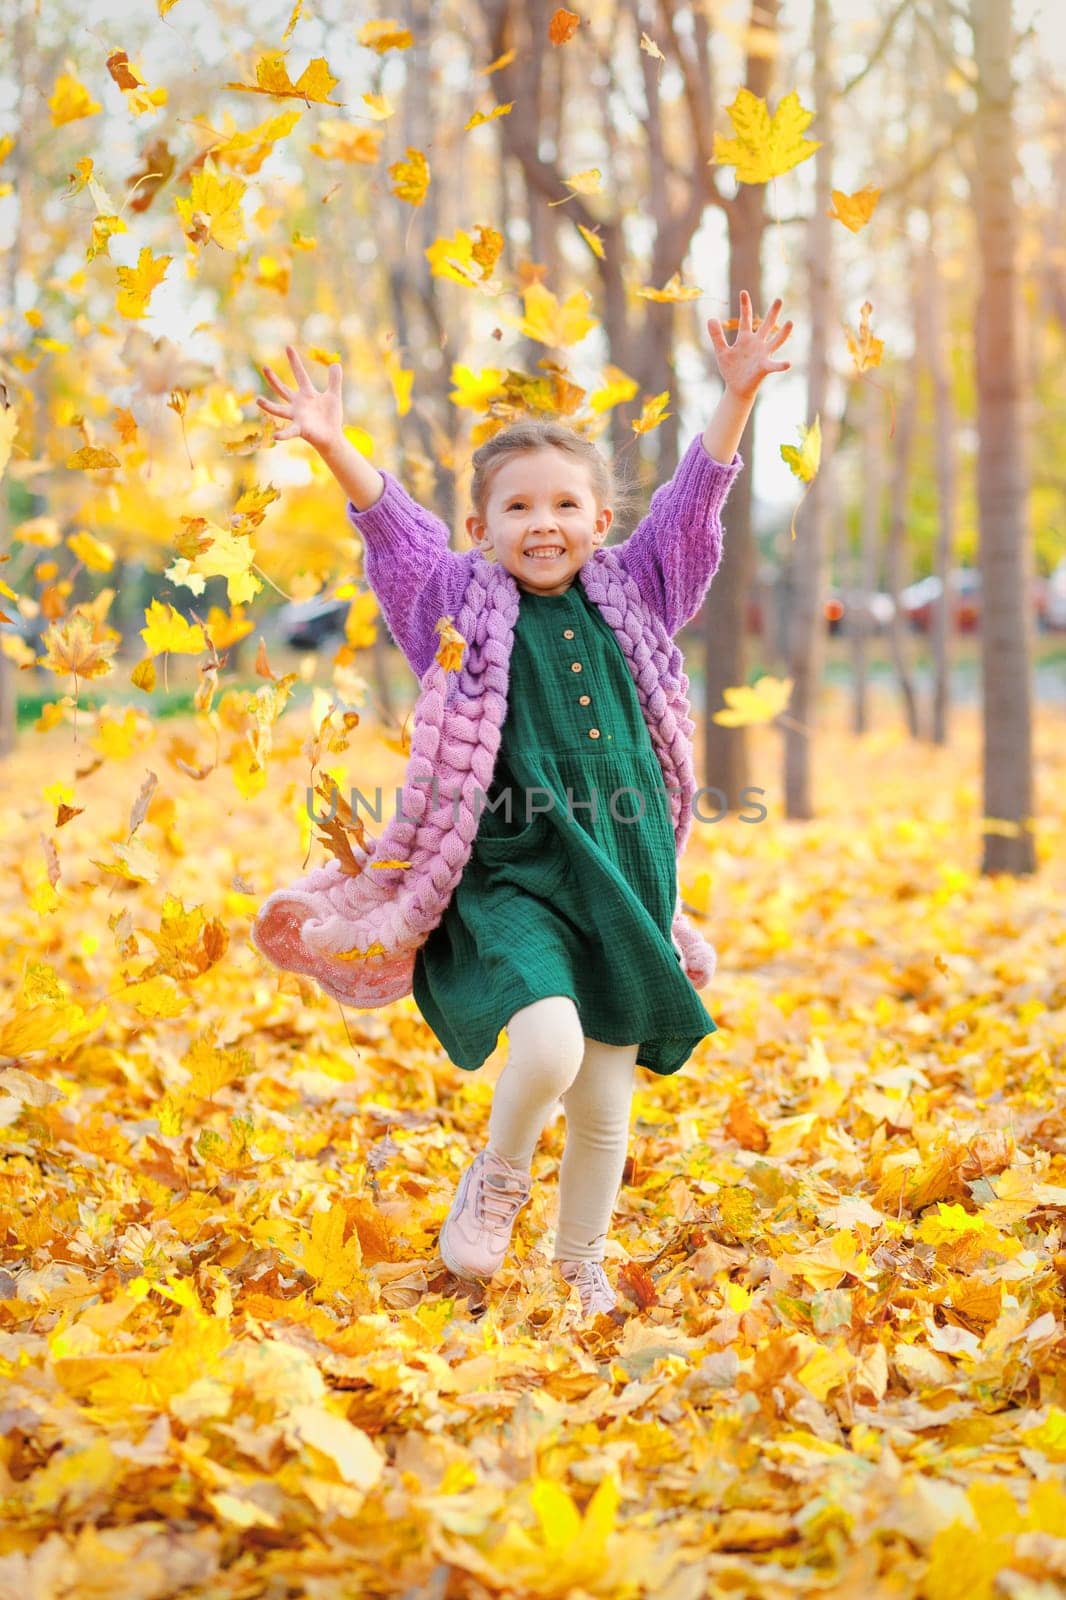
{"x": 1002, "y": 488}
{"x": 807, "y": 642}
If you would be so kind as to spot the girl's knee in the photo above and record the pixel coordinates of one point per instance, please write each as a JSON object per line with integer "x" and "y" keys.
{"x": 545, "y": 1039}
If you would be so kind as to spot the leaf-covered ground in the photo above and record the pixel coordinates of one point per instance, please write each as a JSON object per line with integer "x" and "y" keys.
{"x": 233, "y": 1364}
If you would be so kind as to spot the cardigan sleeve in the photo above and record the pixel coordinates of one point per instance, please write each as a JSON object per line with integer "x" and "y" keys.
{"x": 410, "y": 565}
{"x": 674, "y": 551}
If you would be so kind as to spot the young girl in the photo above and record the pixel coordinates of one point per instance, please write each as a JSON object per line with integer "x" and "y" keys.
{"x": 549, "y": 906}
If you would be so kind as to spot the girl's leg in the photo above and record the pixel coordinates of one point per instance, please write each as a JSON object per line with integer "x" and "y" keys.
{"x": 597, "y": 1107}
{"x": 545, "y": 1051}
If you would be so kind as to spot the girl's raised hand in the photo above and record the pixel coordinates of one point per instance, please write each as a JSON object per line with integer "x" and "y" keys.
{"x": 746, "y": 362}
{"x": 312, "y": 414}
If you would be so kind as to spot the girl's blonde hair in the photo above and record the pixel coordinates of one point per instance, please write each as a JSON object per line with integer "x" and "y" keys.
{"x": 536, "y": 434}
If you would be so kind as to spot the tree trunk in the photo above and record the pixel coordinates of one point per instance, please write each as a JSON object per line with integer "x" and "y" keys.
{"x": 896, "y": 541}
{"x": 726, "y": 764}
{"x": 932, "y": 321}
{"x": 1006, "y": 644}
{"x": 807, "y": 646}
{"x": 857, "y": 621}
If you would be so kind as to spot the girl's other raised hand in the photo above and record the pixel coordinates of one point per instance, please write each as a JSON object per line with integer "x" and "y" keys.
{"x": 746, "y": 362}
{"x": 309, "y": 413}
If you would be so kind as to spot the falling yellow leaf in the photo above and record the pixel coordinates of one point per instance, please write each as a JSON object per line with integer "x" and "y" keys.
{"x": 379, "y": 106}
{"x": 478, "y": 117}
{"x": 410, "y": 178}
{"x": 618, "y": 388}
{"x": 500, "y": 62}
{"x": 805, "y": 461}
{"x": 671, "y": 291}
{"x": 854, "y": 210}
{"x": 464, "y": 259}
{"x": 70, "y": 100}
{"x": 135, "y": 284}
{"x": 213, "y": 210}
{"x": 475, "y": 390}
{"x": 71, "y": 646}
{"x": 91, "y": 458}
{"x": 451, "y": 647}
{"x": 93, "y": 553}
{"x": 551, "y": 323}
{"x": 765, "y": 146}
{"x": 385, "y": 33}
{"x": 865, "y": 350}
{"x": 593, "y": 241}
{"x": 653, "y": 413}
{"x": 587, "y": 182}
{"x": 272, "y": 77}
{"x": 761, "y": 701}
{"x": 345, "y": 141}
{"x": 167, "y": 630}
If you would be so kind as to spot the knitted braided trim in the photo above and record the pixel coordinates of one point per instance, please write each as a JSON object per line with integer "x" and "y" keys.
{"x": 326, "y": 916}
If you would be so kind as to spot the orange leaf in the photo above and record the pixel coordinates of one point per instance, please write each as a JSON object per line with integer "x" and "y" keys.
{"x": 563, "y": 25}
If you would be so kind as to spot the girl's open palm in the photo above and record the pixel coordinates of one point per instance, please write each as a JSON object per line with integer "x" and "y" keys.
{"x": 312, "y": 414}
{"x": 746, "y": 362}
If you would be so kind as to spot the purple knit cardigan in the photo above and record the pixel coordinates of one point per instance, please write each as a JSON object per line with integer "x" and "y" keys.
{"x": 357, "y": 935}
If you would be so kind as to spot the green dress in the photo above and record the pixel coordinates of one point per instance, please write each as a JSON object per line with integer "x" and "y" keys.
{"x": 561, "y": 901}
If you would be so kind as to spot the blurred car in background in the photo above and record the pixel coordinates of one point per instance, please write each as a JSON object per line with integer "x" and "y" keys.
{"x": 876, "y": 610}
{"x": 312, "y": 624}
{"x": 964, "y": 592}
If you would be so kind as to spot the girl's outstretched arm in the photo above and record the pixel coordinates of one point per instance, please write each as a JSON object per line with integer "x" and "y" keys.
{"x": 408, "y": 560}
{"x": 675, "y": 551}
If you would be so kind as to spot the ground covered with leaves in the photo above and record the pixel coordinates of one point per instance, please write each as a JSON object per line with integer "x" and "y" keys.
{"x": 234, "y": 1365}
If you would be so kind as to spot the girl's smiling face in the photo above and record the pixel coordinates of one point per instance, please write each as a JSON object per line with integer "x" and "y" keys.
{"x": 541, "y": 500}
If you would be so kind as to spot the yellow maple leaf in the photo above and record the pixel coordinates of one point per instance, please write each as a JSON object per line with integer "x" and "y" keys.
{"x": 213, "y": 209}
{"x": 854, "y": 210}
{"x": 272, "y": 77}
{"x": 653, "y": 413}
{"x": 478, "y": 117}
{"x": 761, "y": 701}
{"x": 385, "y": 33}
{"x": 335, "y": 1263}
{"x": 550, "y": 323}
{"x": 618, "y": 388}
{"x": 168, "y": 630}
{"x": 475, "y": 390}
{"x": 865, "y": 350}
{"x": 70, "y": 100}
{"x": 410, "y": 178}
{"x": 70, "y": 646}
{"x": 805, "y": 461}
{"x": 229, "y": 555}
{"x": 463, "y": 259}
{"x": 765, "y": 145}
{"x": 135, "y": 284}
{"x": 672, "y": 291}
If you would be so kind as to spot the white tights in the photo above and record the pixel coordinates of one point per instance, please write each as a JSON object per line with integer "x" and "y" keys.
{"x": 549, "y": 1058}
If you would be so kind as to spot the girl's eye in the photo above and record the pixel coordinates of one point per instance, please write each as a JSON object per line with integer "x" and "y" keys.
{"x": 514, "y": 503}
